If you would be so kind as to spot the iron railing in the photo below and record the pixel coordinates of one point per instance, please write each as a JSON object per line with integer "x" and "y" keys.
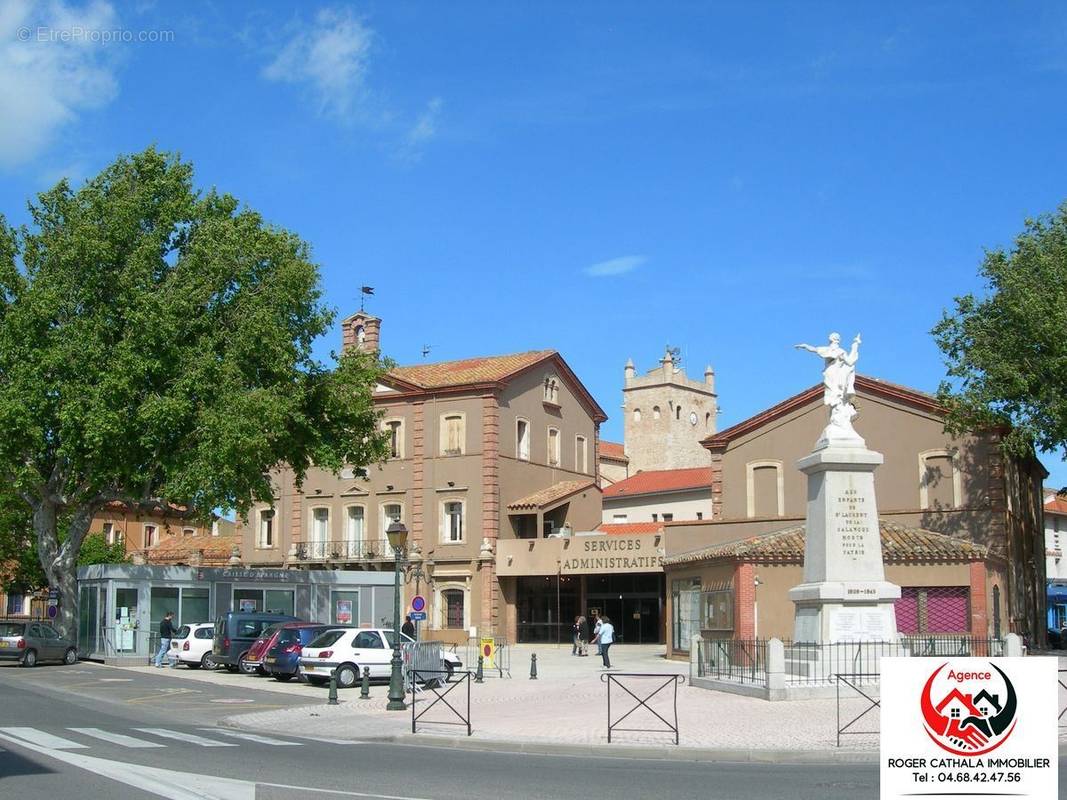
{"x": 348, "y": 550}
{"x": 658, "y": 681}
{"x": 855, "y": 682}
{"x": 738, "y": 660}
{"x": 435, "y": 681}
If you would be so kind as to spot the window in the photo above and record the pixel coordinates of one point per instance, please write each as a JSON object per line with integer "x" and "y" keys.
{"x": 452, "y": 522}
{"x": 361, "y": 334}
{"x": 553, "y": 447}
{"x": 707, "y": 420}
{"x": 655, "y": 517}
{"x": 552, "y": 390}
{"x": 368, "y": 640}
{"x": 266, "y": 528}
{"x": 522, "y": 439}
{"x": 151, "y": 535}
{"x": 939, "y": 479}
{"x": 954, "y": 712}
{"x": 580, "y": 454}
{"x": 188, "y": 531}
{"x": 655, "y": 412}
{"x": 391, "y": 512}
{"x": 14, "y": 604}
{"x": 677, "y": 412}
{"x": 109, "y": 532}
{"x": 452, "y": 434}
{"x": 637, "y": 415}
{"x": 620, "y": 517}
{"x": 685, "y": 611}
{"x": 453, "y": 603}
{"x": 354, "y": 519}
{"x": 668, "y": 517}
{"x": 395, "y": 430}
{"x": 766, "y": 488}
{"x": 700, "y": 515}
{"x": 320, "y": 524}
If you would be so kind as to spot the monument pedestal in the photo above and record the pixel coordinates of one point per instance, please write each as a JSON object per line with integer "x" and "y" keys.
{"x": 845, "y": 596}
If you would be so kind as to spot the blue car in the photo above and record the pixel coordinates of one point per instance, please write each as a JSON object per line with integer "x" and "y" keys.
{"x": 282, "y": 661}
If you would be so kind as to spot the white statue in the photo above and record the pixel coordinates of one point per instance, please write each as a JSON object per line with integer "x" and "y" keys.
{"x": 839, "y": 381}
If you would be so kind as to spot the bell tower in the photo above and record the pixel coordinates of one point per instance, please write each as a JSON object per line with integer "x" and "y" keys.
{"x": 361, "y": 331}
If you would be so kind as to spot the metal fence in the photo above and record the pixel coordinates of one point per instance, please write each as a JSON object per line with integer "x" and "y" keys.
{"x": 637, "y": 685}
{"x": 854, "y": 686}
{"x": 1062, "y": 676}
{"x": 346, "y": 549}
{"x": 434, "y": 680}
{"x": 500, "y": 662}
{"x": 738, "y": 660}
{"x": 421, "y": 657}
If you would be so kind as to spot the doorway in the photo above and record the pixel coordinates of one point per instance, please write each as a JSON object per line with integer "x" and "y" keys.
{"x": 633, "y": 603}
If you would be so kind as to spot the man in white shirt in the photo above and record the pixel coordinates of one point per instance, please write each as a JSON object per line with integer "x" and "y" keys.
{"x": 606, "y": 638}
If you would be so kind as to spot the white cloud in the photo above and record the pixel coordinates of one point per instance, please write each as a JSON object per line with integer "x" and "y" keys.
{"x": 424, "y": 129}
{"x": 46, "y": 82}
{"x": 614, "y": 266}
{"x": 330, "y": 55}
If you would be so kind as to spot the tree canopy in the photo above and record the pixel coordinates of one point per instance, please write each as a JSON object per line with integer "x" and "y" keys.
{"x": 1007, "y": 350}
{"x": 156, "y": 346}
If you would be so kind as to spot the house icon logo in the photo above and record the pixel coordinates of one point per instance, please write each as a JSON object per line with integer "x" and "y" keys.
{"x": 968, "y": 712}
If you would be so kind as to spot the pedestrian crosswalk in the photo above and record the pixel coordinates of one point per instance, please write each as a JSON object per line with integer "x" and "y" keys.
{"x": 136, "y": 738}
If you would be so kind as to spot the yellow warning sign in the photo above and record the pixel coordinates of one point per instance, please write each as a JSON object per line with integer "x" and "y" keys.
{"x": 488, "y": 651}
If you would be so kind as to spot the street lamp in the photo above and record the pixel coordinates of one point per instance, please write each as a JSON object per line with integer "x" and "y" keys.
{"x": 416, "y": 569}
{"x": 398, "y": 537}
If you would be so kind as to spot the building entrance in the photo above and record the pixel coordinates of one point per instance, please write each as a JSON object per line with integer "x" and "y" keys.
{"x": 633, "y": 603}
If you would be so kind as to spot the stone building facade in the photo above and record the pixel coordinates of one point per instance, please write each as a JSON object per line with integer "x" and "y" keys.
{"x": 666, "y": 415}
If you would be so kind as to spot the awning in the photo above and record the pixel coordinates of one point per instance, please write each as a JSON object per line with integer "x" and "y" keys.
{"x": 548, "y": 498}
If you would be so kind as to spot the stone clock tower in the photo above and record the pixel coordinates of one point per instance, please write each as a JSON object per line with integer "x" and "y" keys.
{"x": 666, "y": 415}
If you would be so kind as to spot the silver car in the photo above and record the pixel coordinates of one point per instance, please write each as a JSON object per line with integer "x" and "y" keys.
{"x": 30, "y": 642}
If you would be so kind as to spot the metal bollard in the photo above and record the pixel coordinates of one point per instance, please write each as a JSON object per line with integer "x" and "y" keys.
{"x": 364, "y": 689}
{"x": 331, "y": 699}
{"x": 478, "y": 675}
{"x": 533, "y": 666}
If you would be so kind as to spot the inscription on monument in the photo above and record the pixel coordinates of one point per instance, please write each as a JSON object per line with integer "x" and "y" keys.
{"x": 852, "y": 522}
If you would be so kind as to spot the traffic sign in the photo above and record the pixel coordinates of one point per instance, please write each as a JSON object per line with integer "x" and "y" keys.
{"x": 418, "y": 604}
{"x": 417, "y": 616}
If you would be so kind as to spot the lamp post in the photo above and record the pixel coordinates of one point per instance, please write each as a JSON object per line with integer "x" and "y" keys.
{"x": 398, "y": 537}
{"x": 415, "y": 569}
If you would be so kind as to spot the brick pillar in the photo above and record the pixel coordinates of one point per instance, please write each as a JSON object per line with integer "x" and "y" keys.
{"x": 418, "y": 447}
{"x": 744, "y": 601}
{"x": 716, "y": 485}
{"x": 979, "y": 607}
{"x": 490, "y": 616}
{"x": 296, "y": 519}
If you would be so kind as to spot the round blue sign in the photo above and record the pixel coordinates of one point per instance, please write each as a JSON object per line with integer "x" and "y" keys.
{"x": 52, "y": 611}
{"x": 418, "y": 603}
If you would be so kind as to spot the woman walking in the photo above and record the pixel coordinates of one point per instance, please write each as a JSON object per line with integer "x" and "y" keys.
{"x": 605, "y": 639}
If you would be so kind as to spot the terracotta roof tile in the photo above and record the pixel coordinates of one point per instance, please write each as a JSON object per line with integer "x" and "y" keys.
{"x": 181, "y": 548}
{"x": 665, "y": 480}
{"x": 549, "y": 495}
{"x": 899, "y": 544}
{"x": 612, "y": 450}
{"x": 629, "y": 528}
{"x": 468, "y": 370}
{"x": 1057, "y": 504}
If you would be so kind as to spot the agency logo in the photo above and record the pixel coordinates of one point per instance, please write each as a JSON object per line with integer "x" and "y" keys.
{"x": 969, "y": 712}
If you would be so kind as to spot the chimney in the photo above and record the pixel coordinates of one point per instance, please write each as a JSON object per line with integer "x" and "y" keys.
{"x": 361, "y": 331}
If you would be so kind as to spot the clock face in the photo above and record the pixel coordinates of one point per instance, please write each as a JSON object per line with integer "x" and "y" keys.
{"x": 693, "y": 418}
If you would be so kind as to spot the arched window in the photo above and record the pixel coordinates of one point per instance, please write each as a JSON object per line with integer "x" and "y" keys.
{"x": 940, "y": 480}
{"x": 707, "y": 420}
{"x": 765, "y": 488}
{"x": 453, "y": 611}
{"x": 655, "y": 412}
{"x": 637, "y": 415}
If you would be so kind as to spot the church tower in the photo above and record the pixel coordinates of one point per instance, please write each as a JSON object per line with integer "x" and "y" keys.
{"x": 666, "y": 415}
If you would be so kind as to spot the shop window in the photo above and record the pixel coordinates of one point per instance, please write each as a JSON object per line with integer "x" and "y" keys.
{"x": 452, "y": 434}
{"x": 266, "y": 528}
{"x": 522, "y": 439}
{"x": 718, "y": 610}
{"x": 685, "y": 610}
{"x": 453, "y": 607}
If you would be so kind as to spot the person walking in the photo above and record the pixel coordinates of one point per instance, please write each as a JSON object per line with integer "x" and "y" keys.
{"x": 605, "y": 639}
{"x": 576, "y": 635}
{"x": 596, "y": 632}
{"x": 583, "y": 636}
{"x": 166, "y": 633}
{"x": 408, "y": 628}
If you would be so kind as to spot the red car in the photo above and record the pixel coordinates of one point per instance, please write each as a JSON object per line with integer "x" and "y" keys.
{"x": 251, "y": 663}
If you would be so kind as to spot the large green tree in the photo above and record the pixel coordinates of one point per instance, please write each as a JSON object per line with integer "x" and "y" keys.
{"x": 156, "y": 346}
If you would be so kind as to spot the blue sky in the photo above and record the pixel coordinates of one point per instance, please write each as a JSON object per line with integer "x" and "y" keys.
{"x": 600, "y": 178}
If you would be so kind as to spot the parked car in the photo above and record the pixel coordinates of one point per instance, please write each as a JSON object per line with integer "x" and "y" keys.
{"x": 192, "y": 646}
{"x": 252, "y": 662}
{"x": 282, "y": 661}
{"x": 32, "y": 642}
{"x": 237, "y": 631}
{"x": 350, "y": 650}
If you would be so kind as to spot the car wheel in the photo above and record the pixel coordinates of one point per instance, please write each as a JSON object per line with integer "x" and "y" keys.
{"x": 347, "y": 675}
{"x": 317, "y": 681}
{"x": 245, "y": 667}
{"x": 207, "y": 662}
{"x": 282, "y": 676}
{"x": 30, "y": 659}
{"x": 71, "y": 656}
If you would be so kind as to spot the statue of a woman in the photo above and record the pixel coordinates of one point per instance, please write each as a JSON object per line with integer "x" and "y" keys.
{"x": 838, "y": 378}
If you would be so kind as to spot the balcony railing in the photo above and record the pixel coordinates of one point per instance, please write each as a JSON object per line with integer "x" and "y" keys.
{"x": 345, "y": 550}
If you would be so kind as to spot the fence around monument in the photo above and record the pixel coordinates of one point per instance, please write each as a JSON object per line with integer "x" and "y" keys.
{"x": 754, "y": 663}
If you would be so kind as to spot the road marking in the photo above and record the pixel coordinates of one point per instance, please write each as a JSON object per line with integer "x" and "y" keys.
{"x": 342, "y": 792}
{"x": 42, "y": 739}
{"x": 116, "y": 680}
{"x": 116, "y": 738}
{"x": 251, "y": 737}
{"x": 159, "y": 695}
{"x": 189, "y": 738}
{"x": 233, "y": 700}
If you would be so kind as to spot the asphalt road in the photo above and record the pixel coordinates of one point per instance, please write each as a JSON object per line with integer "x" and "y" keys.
{"x": 94, "y": 732}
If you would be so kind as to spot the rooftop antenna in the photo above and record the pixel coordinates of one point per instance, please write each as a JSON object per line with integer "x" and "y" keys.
{"x": 676, "y": 355}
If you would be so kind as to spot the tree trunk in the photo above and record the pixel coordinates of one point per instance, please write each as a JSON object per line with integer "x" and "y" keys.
{"x": 60, "y": 563}
{"x": 64, "y": 576}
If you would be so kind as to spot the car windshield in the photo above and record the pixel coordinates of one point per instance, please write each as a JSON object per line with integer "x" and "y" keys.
{"x": 11, "y": 628}
{"x": 328, "y": 638}
{"x": 183, "y": 632}
{"x": 287, "y": 637}
{"x": 391, "y": 638}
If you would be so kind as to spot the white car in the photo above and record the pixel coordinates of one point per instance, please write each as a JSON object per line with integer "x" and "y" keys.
{"x": 192, "y": 646}
{"x": 349, "y": 650}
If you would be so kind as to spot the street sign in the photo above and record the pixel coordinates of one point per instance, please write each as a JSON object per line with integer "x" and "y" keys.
{"x": 52, "y": 611}
{"x": 417, "y": 616}
{"x": 418, "y": 604}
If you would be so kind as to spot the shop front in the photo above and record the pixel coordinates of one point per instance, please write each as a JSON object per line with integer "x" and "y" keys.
{"x": 121, "y": 605}
{"x": 548, "y": 582}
